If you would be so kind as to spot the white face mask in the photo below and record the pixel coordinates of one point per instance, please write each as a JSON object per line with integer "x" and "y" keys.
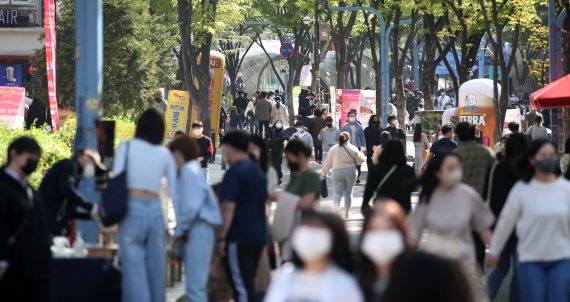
{"x": 311, "y": 243}
{"x": 382, "y": 247}
{"x": 451, "y": 179}
{"x": 256, "y": 154}
{"x": 197, "y": 131}
{"x": 352, "y": 119}
{"x": 88, "y": 171}
{"x": 300, "y": 130}
{"x": 279, "y": 126}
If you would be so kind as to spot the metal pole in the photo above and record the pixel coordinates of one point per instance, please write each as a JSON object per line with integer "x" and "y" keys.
{"x": 316, "y": 51}
{"x": 383, "y": 54}
{"x": 481, "y": 59}
{"x": 552, "y": 38}
{"x": 416, "y": 63}
{"x": 88, "y": 87}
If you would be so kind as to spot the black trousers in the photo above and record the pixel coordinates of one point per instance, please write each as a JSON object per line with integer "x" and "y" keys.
{"x": 359, "y": 169}
{"x": 369, "y": 163}
{"x": 318, "y": 153}
{"x": 241, "y": 262}
{"x": 263, "y": 129}
{"x": 479, "y": 250}
{"x": 277, "y": 157}
{"x": 15, "y": 287}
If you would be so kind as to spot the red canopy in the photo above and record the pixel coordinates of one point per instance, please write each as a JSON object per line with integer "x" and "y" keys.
{"x": 553, "y": 95}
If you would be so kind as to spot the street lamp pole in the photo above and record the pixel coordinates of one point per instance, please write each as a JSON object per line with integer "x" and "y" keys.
{"x": 316, "y": 51}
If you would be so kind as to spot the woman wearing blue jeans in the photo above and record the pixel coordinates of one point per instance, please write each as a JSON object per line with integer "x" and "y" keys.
{"x": 142, "y": 234}
{"x": 197, "y": 216}
{"x": 539, "y": 207}
{"x": 342, "y": 160}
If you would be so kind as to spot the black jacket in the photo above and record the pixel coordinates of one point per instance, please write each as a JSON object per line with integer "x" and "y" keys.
{"x": 59, "y": 192}
{"x": 23, "y": 217}
{"x": 504, "y": 180}
{"x": 372, "y": 137}
{"x": 398, "y": 186}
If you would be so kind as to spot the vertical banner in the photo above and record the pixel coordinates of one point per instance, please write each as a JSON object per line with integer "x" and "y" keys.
{"x": 50, "y": 40}
{"x": 367, "y": 105}
{"x": 12, "y": 107}
{"x": 176, "y": 113}
{"x": 350, "y": 99}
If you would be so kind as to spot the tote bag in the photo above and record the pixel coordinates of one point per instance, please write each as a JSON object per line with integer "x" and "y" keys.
{"x": 114, "y": 201}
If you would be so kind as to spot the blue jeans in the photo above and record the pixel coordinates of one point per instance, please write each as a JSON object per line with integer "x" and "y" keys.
{"x": 343, "y": 184}
{"x": 545, "y": 281}
{"x": 142, "y": 239}
{"x": 197, "y": 257}
{"x": 508, "y": 256}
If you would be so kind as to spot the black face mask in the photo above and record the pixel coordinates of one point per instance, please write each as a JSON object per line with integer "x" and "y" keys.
{"x": 294, "y": 167}
{"x": 31, "y": 166}
{"x": 376, "y": 123}
{"x": 329, "y": 125}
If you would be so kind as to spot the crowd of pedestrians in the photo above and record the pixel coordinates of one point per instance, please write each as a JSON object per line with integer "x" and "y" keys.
{"x": 517, "y": 206}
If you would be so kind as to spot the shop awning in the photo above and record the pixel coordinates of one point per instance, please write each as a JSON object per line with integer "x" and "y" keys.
{"x": 554, "y": 95}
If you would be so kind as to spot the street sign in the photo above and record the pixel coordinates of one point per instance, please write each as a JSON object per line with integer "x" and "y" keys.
{"x": 286, "y": 50}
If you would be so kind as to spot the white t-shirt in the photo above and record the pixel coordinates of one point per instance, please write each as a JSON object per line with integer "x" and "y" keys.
{"x": 295, "y": 285}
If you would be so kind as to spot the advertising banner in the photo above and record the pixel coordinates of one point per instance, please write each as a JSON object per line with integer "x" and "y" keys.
{"x": 476, "y": 107}
{"x": 215, "y": 90}
{"x": 12, "y": 107}
{"x": 50, "y": 40}
{"x": 367, "y": 105}
{"x": 176, "y": 114}
{"x": 512, "y": 115}
{"x": 11, "y": 75}
{"x": 350, "y": 99}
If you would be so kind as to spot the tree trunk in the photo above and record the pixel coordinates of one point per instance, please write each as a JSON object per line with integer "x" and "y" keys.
{"x": 566, "y": 67}
{"x": 233, "y": 84}
{"x": 428, "y": 72}
{"x": 341, "y": 75}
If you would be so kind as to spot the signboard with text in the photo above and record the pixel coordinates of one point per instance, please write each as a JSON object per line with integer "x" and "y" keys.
{"x": 12, "y": 107}
{"x": 50, "y": 40}
{"x": 176, "y": 113}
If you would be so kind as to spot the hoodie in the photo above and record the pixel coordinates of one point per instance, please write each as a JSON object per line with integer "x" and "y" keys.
{"x": 305, "y": 137}
{"x": 329, "y": 137}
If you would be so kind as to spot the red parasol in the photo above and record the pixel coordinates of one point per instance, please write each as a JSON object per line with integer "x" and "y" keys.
{"x": 553, "y": 95}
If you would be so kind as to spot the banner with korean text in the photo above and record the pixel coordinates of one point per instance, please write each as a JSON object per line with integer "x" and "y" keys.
{"x": 50, "y": 40}
{"x": 12, "y": 107}
{"x": 176, "y": 114}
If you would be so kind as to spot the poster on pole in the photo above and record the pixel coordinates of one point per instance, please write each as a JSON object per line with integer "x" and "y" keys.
{"x": 512, "y": 115}
{"x": 176, "y": 113}
{"x": 350, "y": 99}
{"x": 50, "y": 40}
{"x": 12, "y": 107}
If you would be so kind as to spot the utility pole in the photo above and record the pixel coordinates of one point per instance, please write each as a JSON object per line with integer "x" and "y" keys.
{"x": 316, "y": 51}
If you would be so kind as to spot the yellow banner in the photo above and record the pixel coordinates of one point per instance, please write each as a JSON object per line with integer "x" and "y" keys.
{"x": 215, "y": 90}
{"x": 176, "y": 114}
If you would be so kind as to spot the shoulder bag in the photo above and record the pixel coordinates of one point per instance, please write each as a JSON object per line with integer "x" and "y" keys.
{"x": 114, "y": 201}
{"x": 350, "y": 154}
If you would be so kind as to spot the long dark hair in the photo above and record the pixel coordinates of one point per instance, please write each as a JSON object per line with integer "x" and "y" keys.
{"x": 263, "y": 161}
{"x": 429, "y": 180}
{"x": 340, "y": 250}
{"x": 418, "y": 276}
{"x": 418, "y": 133}
{"x": 393, "y": 153}
{"x": 385, "y": 136}
{"x": 515, "y": 149}
{"x": 367, "y": 273}
{"x": 525, "y": 169}
{"x": 150, "y": 127}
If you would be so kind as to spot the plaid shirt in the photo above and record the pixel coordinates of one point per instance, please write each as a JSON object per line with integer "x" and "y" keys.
{"x": 476, "y": 160}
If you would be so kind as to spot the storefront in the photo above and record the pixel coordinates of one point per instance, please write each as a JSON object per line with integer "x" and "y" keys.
{"x": 20, "y": 29}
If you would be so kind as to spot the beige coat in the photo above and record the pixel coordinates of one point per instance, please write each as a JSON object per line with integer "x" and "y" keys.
{"x": 280, "y": 114}
{"x": 339, "y": 158}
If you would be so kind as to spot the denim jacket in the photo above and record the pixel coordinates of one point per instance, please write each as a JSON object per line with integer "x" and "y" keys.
{"x": 196, "y": 199}
{"x": 360, "y": 139}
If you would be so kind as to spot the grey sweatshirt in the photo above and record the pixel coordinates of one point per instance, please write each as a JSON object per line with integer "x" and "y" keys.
{"x": 329, "y": 137}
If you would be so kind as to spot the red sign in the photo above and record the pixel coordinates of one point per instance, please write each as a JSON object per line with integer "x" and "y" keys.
{"x": 50, "y": 39}
{"x": 32, "y": 69}
{"x": 12, "y": 107}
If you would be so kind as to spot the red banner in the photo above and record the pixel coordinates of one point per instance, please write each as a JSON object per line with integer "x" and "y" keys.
{"x": 50, "y": 39}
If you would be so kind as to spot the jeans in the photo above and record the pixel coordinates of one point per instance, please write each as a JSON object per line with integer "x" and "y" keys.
{"x": 142, "y": 240}
{"x": 263, "y": 129}
{"x": 507, "y": 257}
{"x": 198, "y": 251}
{"x": 241, "y": 263}
{"x": 277, "y": 157}
{"x": 545, "y": 281}
{"x": 343, "y": 184}
{"x": 206, "y": 172}
{"x": 252, "y": 125}
{"x": 325, "y": 153}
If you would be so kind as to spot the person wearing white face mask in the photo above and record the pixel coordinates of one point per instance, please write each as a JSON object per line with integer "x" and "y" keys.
{"x": 451, "y": 211}
{"x": 206, "y": 146}
{"x": 321, "y": 263}
{"x": 276, "y": 141}
{"x": 59, "y": 190}
{"x": 384, "y": 239}
{"x": 303, "y": 135}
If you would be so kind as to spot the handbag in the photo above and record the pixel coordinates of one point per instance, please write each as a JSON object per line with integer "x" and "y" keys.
{"x": 114, "y": 200}
{"x": 324, "y": 188}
